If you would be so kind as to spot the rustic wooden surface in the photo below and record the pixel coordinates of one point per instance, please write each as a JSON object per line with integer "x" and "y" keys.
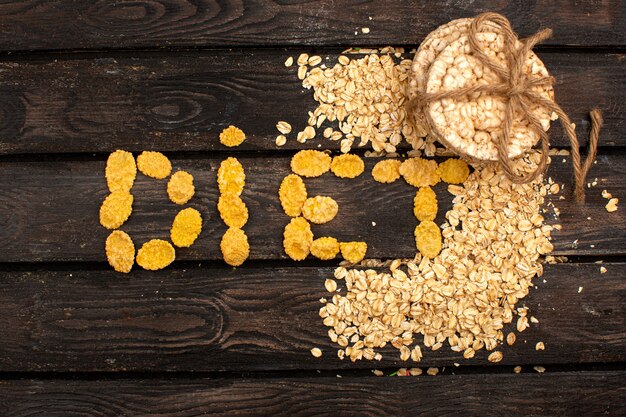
{"x": 556, "y": 394}
{"x": 92, "y": 24}
{"x": 83, "y": 78}
{"x": 180, "y": 102}
{"x": 262, "y": 318}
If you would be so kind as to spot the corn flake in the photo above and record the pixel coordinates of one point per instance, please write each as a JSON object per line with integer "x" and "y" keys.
{"x": 386, "y": 171}
{"x": 325, "y": 248}
{"x": 116, "y": 209}
{"x": 353, "y": 252}
{"x": 235, "y": 247}
{"x": 186, "y": 227}
{"x": 120, "y": 251}
{"x": 155, "y": 254}
{"x": 120, "y": 171}
{"x": 292, "y": 194}
{"x": 154, "y": 165}
{"x": 231, "y": 177}
{"x": 453, "y": 171}
{"x": 347, "y": 166}
{"x": 425, "y": 204}
{"x": 428, "y": 239}
{"x": 233, "y": 210}
{"x": 298, "y": 239}
{"x": 180, "y": 187}
{"x": 320, "y": 209}
{"x": 310, "y": 163}
{"x": 419, "y": 172}
{"x": 232, "y": 136}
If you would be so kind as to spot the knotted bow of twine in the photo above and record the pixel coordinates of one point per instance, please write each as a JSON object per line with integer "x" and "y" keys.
{"x": 516, "y": 88}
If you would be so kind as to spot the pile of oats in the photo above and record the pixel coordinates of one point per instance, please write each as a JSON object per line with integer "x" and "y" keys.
{"x": 364, "y": 99}
{"x": 493, "y": 239}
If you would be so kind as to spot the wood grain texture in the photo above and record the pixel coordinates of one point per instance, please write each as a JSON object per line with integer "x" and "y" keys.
{"x": 554, "y": 394}
{"x": 244, "y": 319}
{"x": 180, "y": 102}
{"x": 49, "y": 210}
{"x": 93, "y": 24}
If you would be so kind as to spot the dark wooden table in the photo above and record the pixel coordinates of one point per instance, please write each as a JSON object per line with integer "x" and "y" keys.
{"x": 80, "y": 79}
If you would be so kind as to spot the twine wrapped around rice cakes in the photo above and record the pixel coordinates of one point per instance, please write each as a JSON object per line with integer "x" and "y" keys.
{"x": 511, "y": 86}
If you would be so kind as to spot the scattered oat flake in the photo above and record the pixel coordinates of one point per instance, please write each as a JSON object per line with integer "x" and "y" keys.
{"x": 281, "y": 140}
{"x": 233, "y": 210}
{"x": 231, "y": 177}
{"x": 540, "y": 346}
{"x": 419, "y": 172}
{"x": 495, "y": 356}
{"x": 320, "y": 209}
{"x": 425, "y": 204}
{"x": 330, "y": 285}
{"x": 539, "y": 369}
{"x": 580, "y": 289}
{"x": 283, "y": 127}
{"x": 428, "y": 239}
{"x": 602, "y": 270}
{"x": 517, "y": 369}
{"x": 347, "y": 166}
{"x": 377, "y": 372}
{"x": 510, "y": 339}
{"x": 611, "y": 206}
{"x": 289, "y": 61}
{"x": 155, "y": 254}
{"x": 120, "y": 251}
{"x": 325, "y": 248}
{"x": 386, "y": 171}
{"x": 415, "y": 371}
{"x": 120, "y": 171}
{"x": 365, "y": 30}
{"x": 353, "y": 252}
{"x": 186, "y": 227}
{"x": 316, "y": 352}
{"x": 235, "y": 247}
{"x": 298, "y": 238}
{"x": 606, "y": 194}
{"x": 432, "y": 371}
{"x": 310, "y": 163}
{"x": 180, "y": 187}
{"x": 116, "y": 209}
{"x": 154, "y": 165}
{"x": 232, "y": 136}
{"x": 453, "y": 171}
{"x": 533, "y": 319}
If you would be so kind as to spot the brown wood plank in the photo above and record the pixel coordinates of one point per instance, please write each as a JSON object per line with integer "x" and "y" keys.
{"x": 49, "y": 210}
{"x": 553, "y": 394}
{"x": 181, "y": 102}
{"x": 72, "y": 24}
{"x": 244, "y": 319}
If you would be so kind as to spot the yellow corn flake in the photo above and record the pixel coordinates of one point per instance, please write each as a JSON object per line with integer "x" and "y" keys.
{"x": 120, "y": 251}
{"x": 419, "y": 172}
{"x": 453, "y": 171}
{"x": 154, "y": 165}
{"x": 232, "y": 136}
{"x": 116, "y": 209}
{"x": 155, "y": 254}
{"x": 180, "y": 187}
{"x": 231, "y": 177}
{"x": 320, "y": 209}
{"x": 425, "y": 204}
{"x": 428, "y": 239}
{"x": 347, "y": 166}
{"x": 353, "y": 252}
{"x": 325, "y": 248}
{"x": 297, "y": 239}
{"x": 120, "y": 171}
{"x": 186, "y": 227}
{"x": 292, "y": 195}
{"x": 233, "y": 210}
{"x": 309, "y": 163}
{"x": 386, "y": 171}
{"x": 235, "y": 247}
